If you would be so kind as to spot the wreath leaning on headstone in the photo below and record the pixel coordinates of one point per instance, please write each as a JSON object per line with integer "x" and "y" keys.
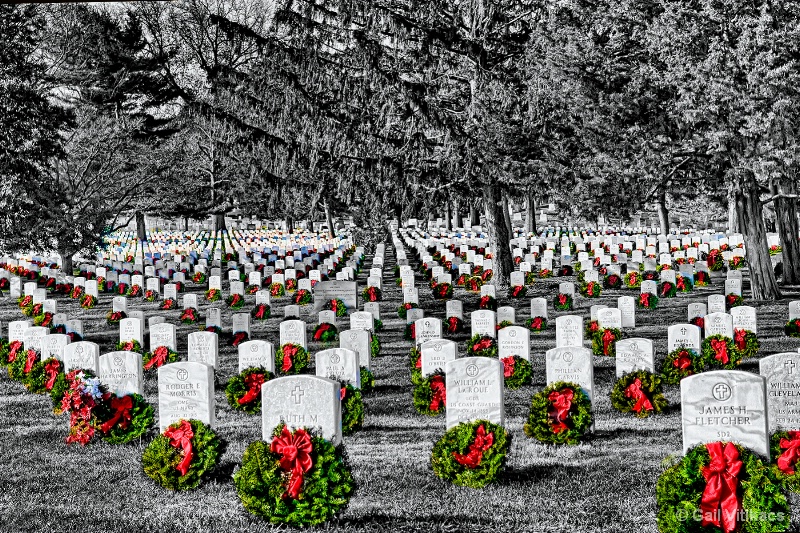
{"x": 298, "y": 479}
{"x": 559, "y": 414}
{"x": 471, "y": 454}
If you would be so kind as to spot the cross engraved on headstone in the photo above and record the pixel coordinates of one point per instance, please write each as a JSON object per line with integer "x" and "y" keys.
{"x": 789, "y": 366}
{"x": 472, "y": 370}
{"x": 297, "y": 394}
{"x": 683, "y": 331}
{"x": 721, "y": 392}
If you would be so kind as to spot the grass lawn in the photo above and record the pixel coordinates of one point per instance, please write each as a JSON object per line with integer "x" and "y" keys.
{"x": 605, "y": 484}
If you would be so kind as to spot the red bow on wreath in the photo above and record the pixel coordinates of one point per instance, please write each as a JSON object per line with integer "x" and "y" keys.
{"x": 562, "y": 403}
{"x": 262, "y": 309}
{"x": 720, "y": 348}
{"x": 483, "y": 344}
{"x": 253, "y": 383}
{"x": 159, "y": 357}
{"x": 289, "y": 351}
{"x": 683, "y": 361}
{"x": 439, "y": 391}
{"x": 473, "y": 457}
{"x": 608, "y": 338}
{"x": 13, "y": 348}
{"x": 740, "y": 338}
{"x": 31, "y": 355}
{"x": 181, "y": 437}
{"x": 562, "y": 299}
{"x": 188, "y": 314}
{"x": 537, "y": 323}
{"x": 122, "y": 413}
{"x": 452, "y": 324}
{"x": 508, "y": 366}
{"x": 129, "y": 346}
{"x": 720, "y": 503}
{"x": 238, "y": 338}
{"x": 484, "y": 301}
{"x": 295, "y": 451}
{"x": 635, "y": 392}
{"x": 51, "y": 371}
{"x": 644, "y": 298}
{"x": 321, "y": 331}
{"x": 789, "y": 458}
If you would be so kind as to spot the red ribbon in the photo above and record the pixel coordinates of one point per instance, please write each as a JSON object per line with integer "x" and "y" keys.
{"x": 482, "y": 442}
{"x": 634, "y": 391}
{"x": 321, "y": 330}
{"x": 484, "y": 301}
{"x": 594, "y": 326}
{"x": 159, "y": 357}
{"x": 562, "y": 299}
{"x": 788, "y": 459}
{"x": 608, "y": 338}
{"x": 645, "y": 299}
{"x": 508, "y": 366}
{"x": 720, "y": 348}
{"x": 181, "y": 437}
{"x": 13, "y": 348}
{"x": 51, "y": 370}
{"x": 129, "y": 346}
{"x": 740, "y": 338}
{"x": 295, "y": 457}
{"x": 683, "y": 361}
{"x": 238, "y": 338}
{"x": 483, "y": 344}
{"x": 262, "y": 309}
{"x": 439, "y": 390}
{"x": 122, "y": 413}
{"x": 720, "y": 503}
{"x": 188, "y": 314}
{"x": 253, "y": 383}
{"x": 665, "y": 288}
{"x": 452, "y": 324}
{"x": 590, "y": 288}
{"x": 289, "y": 351}
{"x": 537, "y": 323}
{"x": 31, "y": 355}
{"x": 342, "y": 393}
{"x": 515, "y": 292}
{"x": 681, "y": 284}
{"x": 562, "y": 403}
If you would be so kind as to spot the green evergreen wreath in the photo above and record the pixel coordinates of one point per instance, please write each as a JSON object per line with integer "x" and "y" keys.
{"x": 367, "y": 380}
{"x": 402, "y": 311}
{"x": 647, "y": 300}
{"x": 378, "y": 324}
{"x": 543, "y": 420}
{"x": 481, "y": 346}
{"x": 37, "y": 380}
{"x": 326, "y": 487}
{"x": 163, "y": 356}
{"x": 471, "y": 454}
{"x": 160, "y": 459}
{"x": 709, "y": 354}
{"x": 374, "y": 346}
{"x": 141, "y": 416}
{"x": 792, "y": 328}
{"x": 591, "y": 289}
{"x": 536, "y": 324}
{"x": 296, "y": 362}
{"x": 784, "y": 452}
{"x": 667, "y": 289}
{"x": 640, "y": 393}
{"x": 429, "y": 394}
{"x": 129, "y": 346}
{"x": 562, "y": 302}
{"x": 16, "y": 369}
{"x": 680, "y": 488}
{"x": 415, "y": 365}
{"x": 517, "y": 371}
{"x": 599, "y": 341}
{"x": 746, "y": 343}
{"x": 681, "y": 363}
{"x": 238, "y": 388}
{"x": 352, "y": 409}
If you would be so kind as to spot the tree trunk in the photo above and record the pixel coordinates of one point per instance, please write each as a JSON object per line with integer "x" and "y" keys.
{"x": 289, "y": 224}
{"x": 474, "y": 219}
{"x": 786, "y": 219}
{"x": 733, "y": 216}
{"x": 141, "y": 228}
{"x": 499, "y": 238}
{"x": 530, "y": 214}
{"x": 329, "y": 218}
{"x": 663, "y": 214}
{"x": 219, "y": 222}
{"x": 448, "y": 215}
{"x": 185, "y": 223}
{"x": 457, "y": 222}
{"x": 67, "y": 266}
{"x": 507, "y": 216}
{"x": 750, "y": 220}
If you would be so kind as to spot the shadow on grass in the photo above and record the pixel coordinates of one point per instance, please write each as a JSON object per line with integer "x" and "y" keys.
{"x": 528, "y": 474}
